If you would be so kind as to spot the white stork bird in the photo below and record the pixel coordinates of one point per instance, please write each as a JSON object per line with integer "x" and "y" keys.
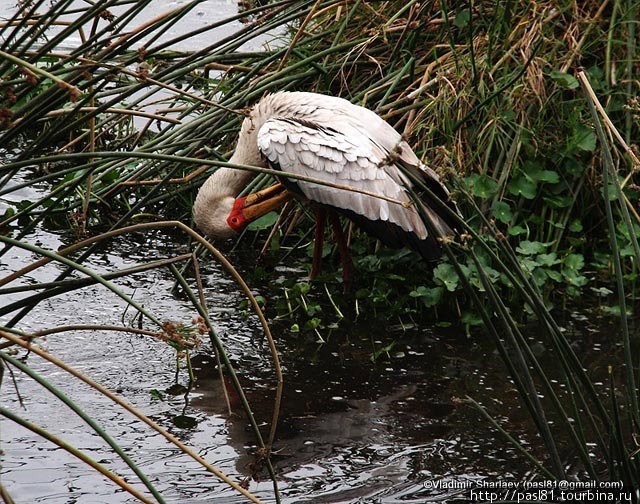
{"x": 331, "y": 139}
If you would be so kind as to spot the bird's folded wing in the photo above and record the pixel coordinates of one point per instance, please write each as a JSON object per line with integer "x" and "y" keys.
{"x": 344, "y": 156}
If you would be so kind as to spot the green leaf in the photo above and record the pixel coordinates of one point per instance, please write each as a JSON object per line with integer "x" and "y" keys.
{"x": 312, "y": 324}
{"x": 573, "y": 167}
{"x": 419, "y": 291}
{"x": 433, "y": 297}
{"x": 300, "y": 289}
{"x": 627, "y": 251}
{"x": 8, "y": 213}
{"x": 574, "y": 262}
{"x": 156, "y": 394}
{"x": 558, "y": 201}
{"x": 549, "y": 176}
{"x": 502, "y": 212}
{"x": 583, "y": 138}
{"x": 264, "y": 222}
{"x": 534, "y": 171}
{"x": 482, "y": 185}
{"x": 611, "y": 191}
{"x": 516, "y": 230}
{"x": 446, "y": 274}
{"x": 528, "y": 264}
{"x": 564, "y": 79}
{"x": 521, "y": 185}
{"x": 601, "y": 291}
{"x": 462, "y": 19}
{"x": 616, "y": 311}
{"x": 504, "y": 279}
{"x": 471, "y": 319}
{"x": 429, "y": 296}
{"x": 548, "y": 259}
{"x": 527, "y": 247}
{"x": 312, "y": 309}
{"x": 558, "y": 225}
{"x": 554, "y": 275}
{"x": 382, "y": 351}
{"x": 539, "y": 276}
{"x": 572, "y": 265}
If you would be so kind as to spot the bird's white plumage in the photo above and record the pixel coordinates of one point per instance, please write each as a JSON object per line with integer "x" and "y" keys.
{"x": 342, "y": 143}
{"x": 330, "y": 139}
{"x": 339, "y": 154}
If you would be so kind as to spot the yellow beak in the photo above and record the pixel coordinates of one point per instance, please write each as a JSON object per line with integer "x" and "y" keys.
{"x": 262, "y": 202}
{"x": 257, "y": 204}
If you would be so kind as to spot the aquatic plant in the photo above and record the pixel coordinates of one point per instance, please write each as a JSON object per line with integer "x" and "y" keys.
{"x": 527, "y": 111}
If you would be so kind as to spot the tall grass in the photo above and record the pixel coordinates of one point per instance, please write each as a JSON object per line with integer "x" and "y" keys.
{"x": 487, "y": 93}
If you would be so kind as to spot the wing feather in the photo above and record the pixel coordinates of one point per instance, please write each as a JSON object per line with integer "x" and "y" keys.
{"x": 350, "y": 158}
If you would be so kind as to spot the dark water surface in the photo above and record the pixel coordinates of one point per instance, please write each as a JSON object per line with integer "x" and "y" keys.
{"x": 351, "y": 430}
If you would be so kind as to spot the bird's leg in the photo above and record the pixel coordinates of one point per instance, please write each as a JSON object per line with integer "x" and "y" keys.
{"x": 318, "y": 242}
{"x": 345, "y": 256}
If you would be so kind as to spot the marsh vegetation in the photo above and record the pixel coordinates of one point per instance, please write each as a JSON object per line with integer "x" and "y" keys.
{"x": 110, "y": 119}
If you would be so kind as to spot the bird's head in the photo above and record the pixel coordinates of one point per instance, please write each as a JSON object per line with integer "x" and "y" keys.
{"x": 219, "y": 214}
{"x": 238, "y": 219}
{"x": 211, "y": 211}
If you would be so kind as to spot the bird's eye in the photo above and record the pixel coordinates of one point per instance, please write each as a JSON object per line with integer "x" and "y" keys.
{"x": 234, "y": 220}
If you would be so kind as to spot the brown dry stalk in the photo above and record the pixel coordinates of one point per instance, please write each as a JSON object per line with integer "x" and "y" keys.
{"x": 590, "y": 24}
{"x": 337, "y": 6}
{"x": 179, "y": 180}
{"x": 613, "y": 130}
{"x": 74, "y": 92}
{"x": 203, "y": 302}
{"x": 229, "y": 68}
{"x": 140, "y": 113}
{"x": 582, "y": 77}
{"x": 118, "y": 480}
{"x": 6, "y": 497}
{"x": 298, "y": 35}
{"x": 162, "y": 336}
{"x": 138, "y": 29}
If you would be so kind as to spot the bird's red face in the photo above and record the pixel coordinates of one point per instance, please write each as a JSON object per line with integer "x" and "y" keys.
{"x": 237, "y": 219}
{"x": 249, "y": 208}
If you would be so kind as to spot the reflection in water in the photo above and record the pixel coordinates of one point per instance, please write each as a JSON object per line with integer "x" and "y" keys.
{"x": 350, "y": 429}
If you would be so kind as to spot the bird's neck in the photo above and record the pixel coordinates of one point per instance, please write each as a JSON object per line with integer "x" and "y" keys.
{"x": 216, "y": 197}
